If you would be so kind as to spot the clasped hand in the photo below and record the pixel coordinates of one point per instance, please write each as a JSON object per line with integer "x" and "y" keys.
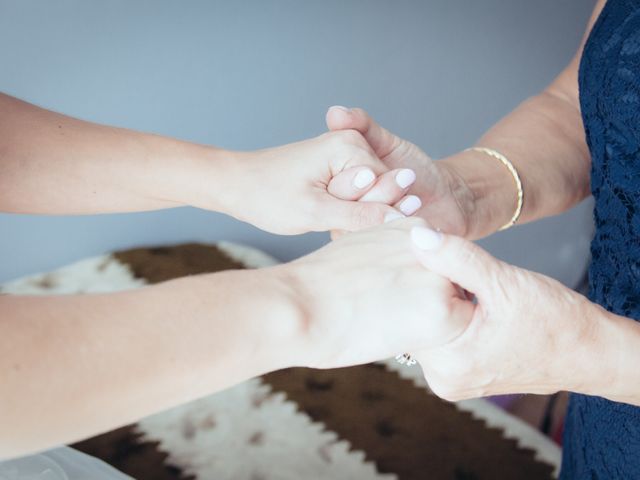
{"x": 474, "y": 323}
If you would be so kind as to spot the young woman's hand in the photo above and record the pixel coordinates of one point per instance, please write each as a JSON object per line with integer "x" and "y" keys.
{"x": 309, "y": 186}
{"x": 54, "y": 164}
{"x": 365, "y": 297}
{"x": 444, "y": 199}
{"x": 528, "y": 333}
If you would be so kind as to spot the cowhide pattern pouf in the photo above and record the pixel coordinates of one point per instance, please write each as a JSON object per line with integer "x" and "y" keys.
{"x": 376, "y": 421}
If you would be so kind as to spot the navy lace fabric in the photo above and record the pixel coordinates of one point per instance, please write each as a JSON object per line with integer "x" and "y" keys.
{"x": 602, "y": 438}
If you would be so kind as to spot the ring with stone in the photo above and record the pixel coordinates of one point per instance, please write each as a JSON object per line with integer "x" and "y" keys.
{"x": 406, "y": 359}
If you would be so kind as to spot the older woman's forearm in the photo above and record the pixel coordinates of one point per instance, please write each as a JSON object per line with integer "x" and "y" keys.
{"x": 611, "y": 371}
{"x": 544, "y": 139}
{"x": 74, "y": 366}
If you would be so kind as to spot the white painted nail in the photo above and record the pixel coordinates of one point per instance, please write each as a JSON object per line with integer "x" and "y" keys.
{"x": 364, "y": 178}
{"x": 392, "y": 216}
{"x": 425, "y": 238}
{"x": 344, "y": 109}
{"x": 410, "y": 205}
{"x": 405, "y": 177}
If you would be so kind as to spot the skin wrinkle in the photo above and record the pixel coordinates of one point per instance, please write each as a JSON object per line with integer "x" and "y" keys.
{"x": 465, "y": 199}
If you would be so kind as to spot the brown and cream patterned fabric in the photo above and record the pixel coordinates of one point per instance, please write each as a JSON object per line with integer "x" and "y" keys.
{"x": 375, "y": 421}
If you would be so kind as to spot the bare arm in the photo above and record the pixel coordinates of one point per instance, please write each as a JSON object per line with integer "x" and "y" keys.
{"x": 471, "y": 194}
{"x": 51, "y": 163}
{"x": 72, "y": 366}
{"x": 544, "y": 138}
{"x": 54, "y": 164}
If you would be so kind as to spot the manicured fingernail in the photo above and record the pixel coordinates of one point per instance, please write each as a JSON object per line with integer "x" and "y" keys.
{"x": 364, "y": 178}
{"x": 392, "y": 216}
{"x": 425, "y": 238}
{"x": 344, "y": 109}
{"x": 410, "y": 205}
{"x": 405, "y": 177}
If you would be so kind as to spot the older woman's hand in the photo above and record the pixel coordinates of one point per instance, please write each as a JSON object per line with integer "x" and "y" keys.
{"x": 442, "y": 197}
{"x": 528, "y": 333}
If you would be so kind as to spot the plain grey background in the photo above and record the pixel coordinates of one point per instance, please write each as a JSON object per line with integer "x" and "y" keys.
{"x": 252, "y": 74}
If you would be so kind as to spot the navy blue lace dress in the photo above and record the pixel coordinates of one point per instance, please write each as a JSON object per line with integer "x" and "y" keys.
{"x": 602, "y": 438}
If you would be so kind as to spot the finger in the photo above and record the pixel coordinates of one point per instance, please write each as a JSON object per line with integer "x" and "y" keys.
{"x": 352, "y": 183}
{"x": 390, "y": 187}
{"x": 409, "y": 205}
{"x": 353, "y": 216}
{"x": 381, "y": 140}
{"x": 459, "y": 260}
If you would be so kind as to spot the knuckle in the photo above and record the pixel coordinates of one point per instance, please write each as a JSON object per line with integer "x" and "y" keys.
{"x": 363, "y": 156}
{"x": 351, "y": 137}
{"x": 504, "y": 279}
{"x": 360, "y": 111}
{"x": 466, "y": 252}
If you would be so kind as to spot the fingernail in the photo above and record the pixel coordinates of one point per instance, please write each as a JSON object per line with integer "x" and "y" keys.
{"x": 405, "y": 177}
{"x": 364, "y": 178}
{"x": 344, "y": 109}
{"x": 392, "y": 216}
{"x": 410, "y": 205}
{"x": 425, "y": 238}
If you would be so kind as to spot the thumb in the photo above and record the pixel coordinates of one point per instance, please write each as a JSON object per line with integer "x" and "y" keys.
{"x": 353, "y": 216}
{"x": 381, "y": 140}
{"x": 459, "y": 260}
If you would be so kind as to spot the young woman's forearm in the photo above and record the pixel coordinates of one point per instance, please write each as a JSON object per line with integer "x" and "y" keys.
{"x": 53, "y": 164}
{"x": 73, "y": 366}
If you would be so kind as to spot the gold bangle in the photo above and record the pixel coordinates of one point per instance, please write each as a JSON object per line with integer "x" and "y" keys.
{"x": 516, "y": 178}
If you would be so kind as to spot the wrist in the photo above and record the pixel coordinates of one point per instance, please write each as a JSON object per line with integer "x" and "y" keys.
{"x": 307, "y": 333}
{"x": 204, "y": 177}
{"x": 254, "y": 314}
{"x": 286, "y": 314}
{"x": 484, "y": 190}
{"x": 600, "y": 355}
{"x": 613, "y": 367}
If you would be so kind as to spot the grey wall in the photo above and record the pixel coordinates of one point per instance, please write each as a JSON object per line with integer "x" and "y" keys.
{"x": 260, "y": 73}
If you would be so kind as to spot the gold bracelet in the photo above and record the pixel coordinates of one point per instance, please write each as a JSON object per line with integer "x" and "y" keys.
{"x": 516, "y": 178}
